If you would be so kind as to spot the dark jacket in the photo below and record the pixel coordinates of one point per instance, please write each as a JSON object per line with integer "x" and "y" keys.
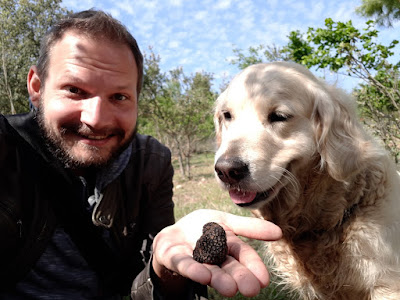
{"x": 37, "y": 195}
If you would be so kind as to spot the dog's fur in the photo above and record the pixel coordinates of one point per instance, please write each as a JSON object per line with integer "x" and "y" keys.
{"x": 318, "y": 175}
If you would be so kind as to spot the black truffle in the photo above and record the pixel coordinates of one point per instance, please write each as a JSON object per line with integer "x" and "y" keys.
{"x": 211, "y": 247}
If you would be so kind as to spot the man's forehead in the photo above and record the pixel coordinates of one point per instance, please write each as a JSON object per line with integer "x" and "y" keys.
{"x": 82, "y": 60}
{"x": 103, "y": 53}
{"x": 77, "y": 39}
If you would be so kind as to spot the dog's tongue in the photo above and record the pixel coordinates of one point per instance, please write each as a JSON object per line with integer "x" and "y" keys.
{"x": 239, "y": 197}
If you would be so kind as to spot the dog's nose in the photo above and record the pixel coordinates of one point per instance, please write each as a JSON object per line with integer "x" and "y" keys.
{"x": 231, "y": 170}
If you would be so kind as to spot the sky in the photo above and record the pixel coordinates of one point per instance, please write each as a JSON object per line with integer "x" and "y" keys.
{"x": 200, "y": 35}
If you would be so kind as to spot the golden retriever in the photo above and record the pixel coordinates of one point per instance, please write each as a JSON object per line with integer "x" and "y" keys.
{"x": 291, "y": 149}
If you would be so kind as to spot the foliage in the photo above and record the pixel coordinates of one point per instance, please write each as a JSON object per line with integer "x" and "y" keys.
{"x": 384, "y": 11}
{"x": 22, "y": 24}
{"x": 261, "y": 53}
{"x": 342, "y": 47}
{"x": 177, "y": 109}
{"x": 381, "y": 115}
{"x": 297, "y": 47}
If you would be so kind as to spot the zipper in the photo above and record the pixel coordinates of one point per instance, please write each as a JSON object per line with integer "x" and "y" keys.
{"x": 19, "y": 224}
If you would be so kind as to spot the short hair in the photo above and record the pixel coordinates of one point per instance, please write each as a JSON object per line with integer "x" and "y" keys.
{"x": 94, "y": 24}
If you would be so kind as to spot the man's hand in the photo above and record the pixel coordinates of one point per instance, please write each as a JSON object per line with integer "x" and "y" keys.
{"x": 243, "y": 270}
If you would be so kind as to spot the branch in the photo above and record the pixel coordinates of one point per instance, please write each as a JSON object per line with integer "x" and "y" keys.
{"x": 371, "y": 79}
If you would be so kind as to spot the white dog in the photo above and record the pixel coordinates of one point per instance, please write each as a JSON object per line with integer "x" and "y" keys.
{"x": 291, "y": 149}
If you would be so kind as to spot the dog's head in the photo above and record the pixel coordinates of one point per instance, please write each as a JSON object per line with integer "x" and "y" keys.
{"x": 275, "y": 122}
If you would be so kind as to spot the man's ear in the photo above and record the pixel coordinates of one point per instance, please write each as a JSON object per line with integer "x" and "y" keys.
{"x": 34, "y": 86}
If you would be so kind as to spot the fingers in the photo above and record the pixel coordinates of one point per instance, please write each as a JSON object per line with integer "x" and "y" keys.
{"x": 253, "y": 228}
{"x": 249, "y": 258}
{"x": 250, "y": 227}
{"x": 177, "y": 257}
{"x": 247, "y": 284}
{"x": 232, "y": 277}
{"x": 221, "y": 281}
{"x": 243, "y": 271}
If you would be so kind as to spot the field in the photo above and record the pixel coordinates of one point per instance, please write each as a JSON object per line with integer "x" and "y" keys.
{"x": 203, "y": 192}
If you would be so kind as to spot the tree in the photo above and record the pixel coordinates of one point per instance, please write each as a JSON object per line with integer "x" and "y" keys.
{"x": 177, "y": 109}
{"x": 380, "y": 114}
{"x": 261, "y": 53}
{"x": 153, "y": 88}
{"x": 384, "y": 11}
{"x": 340, "y": 47}
{"x": 22, "y": 24}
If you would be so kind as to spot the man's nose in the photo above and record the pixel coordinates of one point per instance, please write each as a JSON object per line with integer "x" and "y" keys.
{"x": 95, "y": 112}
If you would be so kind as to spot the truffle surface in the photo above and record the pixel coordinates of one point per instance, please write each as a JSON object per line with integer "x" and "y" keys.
{"x": 211, "y": 247}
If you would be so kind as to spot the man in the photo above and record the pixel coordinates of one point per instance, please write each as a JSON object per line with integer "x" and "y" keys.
{"x": 83, "y": 195}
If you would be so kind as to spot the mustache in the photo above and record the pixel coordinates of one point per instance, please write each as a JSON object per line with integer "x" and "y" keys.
{"x": 85, "y": 130}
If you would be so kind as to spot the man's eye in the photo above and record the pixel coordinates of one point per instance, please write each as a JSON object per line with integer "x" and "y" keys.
{"x": 74, "y": 90}
{"x": 119, "y": 97}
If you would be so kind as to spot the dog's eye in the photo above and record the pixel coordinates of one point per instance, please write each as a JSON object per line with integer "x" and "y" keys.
{"x": 227, "y": 115}
{"x": 278, "y": 117}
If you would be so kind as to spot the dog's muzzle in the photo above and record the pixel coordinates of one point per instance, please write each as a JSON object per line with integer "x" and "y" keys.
{"x": 231, "y": 170}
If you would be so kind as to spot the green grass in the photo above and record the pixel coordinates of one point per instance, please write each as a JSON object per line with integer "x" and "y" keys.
{"x": 203, "y": 192}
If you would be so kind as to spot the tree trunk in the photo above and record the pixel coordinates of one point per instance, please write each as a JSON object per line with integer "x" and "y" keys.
{"x": 180, "y": 157}
{"x": 6, "y": 85}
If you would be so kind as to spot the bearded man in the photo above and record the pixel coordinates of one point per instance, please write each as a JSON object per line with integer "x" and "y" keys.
{"x": 86, "y": 208}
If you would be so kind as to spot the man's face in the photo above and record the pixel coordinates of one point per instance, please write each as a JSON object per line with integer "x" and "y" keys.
{"x": 88, "y": 106}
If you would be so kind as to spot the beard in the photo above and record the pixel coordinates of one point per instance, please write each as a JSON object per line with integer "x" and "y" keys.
{"x": 57, "y": 143}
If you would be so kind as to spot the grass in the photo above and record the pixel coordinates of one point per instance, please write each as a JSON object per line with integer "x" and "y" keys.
{"x": 203, "y": 192}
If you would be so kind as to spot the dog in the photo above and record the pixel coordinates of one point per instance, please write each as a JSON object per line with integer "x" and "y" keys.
{"x": 291, "y": 149}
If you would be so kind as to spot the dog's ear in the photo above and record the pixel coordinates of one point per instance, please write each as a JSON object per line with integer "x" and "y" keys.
{"x": 341, "y": 141}
{"x": 218, "y": 117}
